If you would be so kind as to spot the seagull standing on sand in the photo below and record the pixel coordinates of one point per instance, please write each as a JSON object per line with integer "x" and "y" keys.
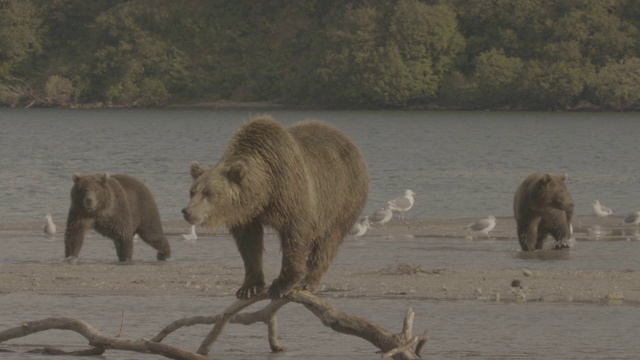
{"x": 633, "y": 218}
{"x": 483, "y": 225}
{"x": 601, "y": 210}
{"x": 192, "y": 235}
{"x": 361, "y": 227}
{"x": 403, "y": 203}
{"x": 381, "y": 216}
{"x": 49, "y": 226}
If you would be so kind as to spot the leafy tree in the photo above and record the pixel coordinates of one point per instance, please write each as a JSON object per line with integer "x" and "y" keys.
{"x": 18, "y": 33}
{"x": 498, "y": 79}
{"x": 132, "y": 63}
{"x": 371, "y": 59}
{"x": 616, "y": 86}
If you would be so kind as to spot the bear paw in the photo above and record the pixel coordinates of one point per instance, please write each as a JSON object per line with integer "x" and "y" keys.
{"x": 247, "y": 291}
{"x": 279, "y": 289}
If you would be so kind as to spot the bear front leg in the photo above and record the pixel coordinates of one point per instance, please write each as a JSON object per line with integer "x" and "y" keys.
{"x": 561, "y": 233}
{"x": 124, "y": 247}
{"x": 293, "y": 269}
{"x": 249, "y": 239}
{"x": 73, "y": 238}
{"x": 528, "y": 235}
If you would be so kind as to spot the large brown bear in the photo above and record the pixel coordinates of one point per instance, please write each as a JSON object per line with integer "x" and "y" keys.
{"x": 542, "y": 206}
{"x": 309, "y": 182}
{"x": 117, "y": 206}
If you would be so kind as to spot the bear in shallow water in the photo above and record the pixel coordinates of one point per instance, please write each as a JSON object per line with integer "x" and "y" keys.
{"x": 542, "y": 206}
{"x": 309, "y": 182}
{"x": 117, "y": 206}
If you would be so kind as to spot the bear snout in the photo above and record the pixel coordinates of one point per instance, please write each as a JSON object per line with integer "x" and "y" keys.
{"x": 188, "y": 216}
{"x": 89, "y": 203}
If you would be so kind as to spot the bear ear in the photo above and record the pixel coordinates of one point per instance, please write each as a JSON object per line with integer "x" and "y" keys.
{"x": 546, "y": 178}
{"x": 235, "y": 173}
{"x": 105, "y": 177}
{"x": 196, "y": 170}
{"x": 75, "y": 177}
{"x": 564, "y": 177}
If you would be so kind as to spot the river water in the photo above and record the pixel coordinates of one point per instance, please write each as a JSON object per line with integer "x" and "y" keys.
{"x": 460, "y": 164}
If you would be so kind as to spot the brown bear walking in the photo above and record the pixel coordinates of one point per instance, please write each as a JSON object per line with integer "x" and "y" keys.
{"x": 542, "y": 206}
{"x": 309, "y": 182}
{"x": 117, "y": 206}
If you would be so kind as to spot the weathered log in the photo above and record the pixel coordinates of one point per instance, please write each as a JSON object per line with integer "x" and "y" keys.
{"x": 397, "y": 346}
{"x": 96, "y": 339}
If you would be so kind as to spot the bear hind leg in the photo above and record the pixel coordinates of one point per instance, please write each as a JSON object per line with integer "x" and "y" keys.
{"x": 320, "y": 257}
{"x": 157, "y": 240}
{"x": 250, "y": 243}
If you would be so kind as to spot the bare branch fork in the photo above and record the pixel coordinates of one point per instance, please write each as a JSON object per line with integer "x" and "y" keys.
{"x": 397, "y": 346}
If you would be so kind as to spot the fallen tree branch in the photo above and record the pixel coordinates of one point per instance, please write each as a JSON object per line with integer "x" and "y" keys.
{"x": 96, "y": 339}
{"x": 266, "y": 315}
{"x": 397, "y": 346}
{"x": 228, "y": 313}
{"x": 357, "y": 326}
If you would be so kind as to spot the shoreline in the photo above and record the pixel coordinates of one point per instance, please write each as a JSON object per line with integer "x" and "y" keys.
{"x": 403, "y": 282}
{"x": 585, "y": 228}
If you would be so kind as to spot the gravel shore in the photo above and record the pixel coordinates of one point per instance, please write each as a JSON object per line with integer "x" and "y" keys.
{"x": 404, "y": 281}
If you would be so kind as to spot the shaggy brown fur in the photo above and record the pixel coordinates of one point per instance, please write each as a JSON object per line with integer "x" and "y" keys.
{"x": 542, "y": 206}
{"x": 309, "y": 182}
{"x": 117, "y": 206}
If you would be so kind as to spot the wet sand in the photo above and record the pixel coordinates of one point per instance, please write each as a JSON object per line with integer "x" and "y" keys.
{"x": 403, "y": 281}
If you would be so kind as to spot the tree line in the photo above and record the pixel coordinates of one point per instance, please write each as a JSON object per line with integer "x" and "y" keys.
{"x": 448, "y": 54}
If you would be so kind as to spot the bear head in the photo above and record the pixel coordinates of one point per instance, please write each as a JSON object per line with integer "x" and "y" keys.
{"x": 91, "y": 192}
{"x": 551, "y": 191}
{"x": 230, "y": 193}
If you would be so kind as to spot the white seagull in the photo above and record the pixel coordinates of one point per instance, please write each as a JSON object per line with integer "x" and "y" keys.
{"x": 601, "y": 210}
{"x": 403, "y": 203}
{"x": 381, "y": 216}
{"x": 483, "y": 225}
{"x": 361, "y": 227}
{"x": 633, "y": 218}
{"x": 192, "y": 235}
{"x": 49, "y": 227}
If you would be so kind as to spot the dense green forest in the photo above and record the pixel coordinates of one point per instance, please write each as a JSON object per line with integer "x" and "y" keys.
{"x": 447, "y": 54}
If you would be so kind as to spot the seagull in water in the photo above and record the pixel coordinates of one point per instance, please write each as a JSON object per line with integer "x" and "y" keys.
{"x": 403, "y": 203}
{"x": 49, "y": 227}
{"x": 361, "y": 227}
{"x": 192, "y": 235}
{"x": 381, "y": 216}
{"x": 601, "y": 210}
{"x": 633, "y": 218}
{"x": 483, "y": 225}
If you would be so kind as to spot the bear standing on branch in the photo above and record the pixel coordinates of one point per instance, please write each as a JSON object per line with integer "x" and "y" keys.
{"x": 309, "y": 182}
{"x": 117, "y": 206}
{"x": 543, "y": 206}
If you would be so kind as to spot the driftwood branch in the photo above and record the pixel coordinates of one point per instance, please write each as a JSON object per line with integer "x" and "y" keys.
{"x": 97, "y": 340}
{"x": 397, "y": 346}
{"x": 360, "y": 327}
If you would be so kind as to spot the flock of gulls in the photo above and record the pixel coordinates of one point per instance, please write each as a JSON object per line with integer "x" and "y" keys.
{"x": 400, "y": 204}
{"x": 481, "y": 226}
{"x": 602, "y": 211}
{"x": 403, "y": 204}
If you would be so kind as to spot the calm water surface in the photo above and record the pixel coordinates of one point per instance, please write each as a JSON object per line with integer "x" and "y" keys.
{"x": 460, "y": 164}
